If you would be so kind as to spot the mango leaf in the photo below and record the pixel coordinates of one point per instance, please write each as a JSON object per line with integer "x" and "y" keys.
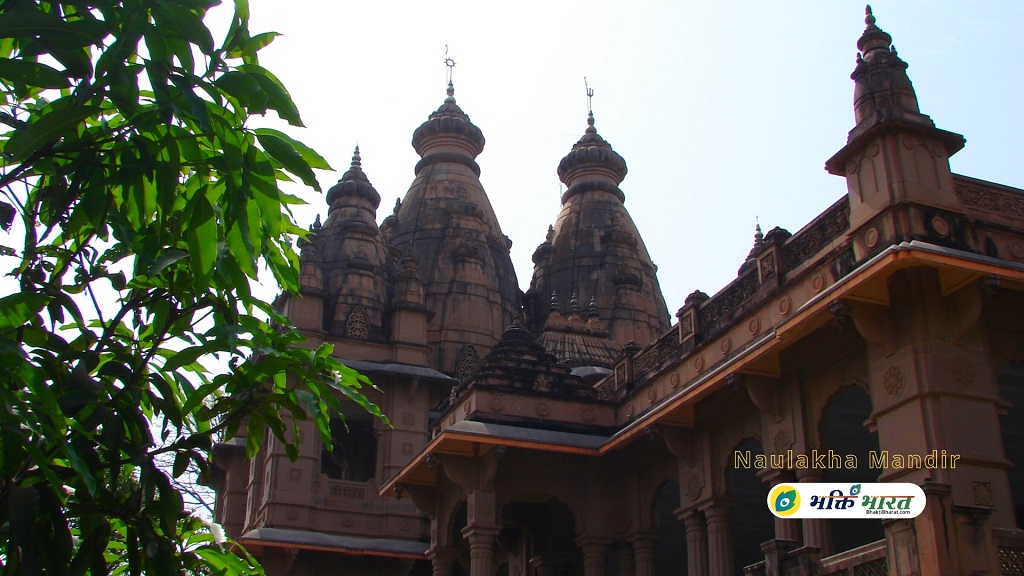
{"x": 284, "y": 151}
{"x": 32, "y": 73}
{"x": 201, "y": 237}
{"x": 48, "y": 128}
{"x": 20, "y": 308}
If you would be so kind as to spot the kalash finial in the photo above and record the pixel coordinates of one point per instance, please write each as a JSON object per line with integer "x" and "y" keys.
{"x": 450, "y": 66}
{"x": 869, "y": 18}
{"x": 590, "y": 108}
{"x": 357, "y": 161}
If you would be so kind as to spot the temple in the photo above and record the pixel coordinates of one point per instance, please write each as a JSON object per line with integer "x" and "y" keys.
{"x": 576, "y": 428}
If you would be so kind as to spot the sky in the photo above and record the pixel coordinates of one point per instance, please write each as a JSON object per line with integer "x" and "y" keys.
{"x": 725, "y": 111}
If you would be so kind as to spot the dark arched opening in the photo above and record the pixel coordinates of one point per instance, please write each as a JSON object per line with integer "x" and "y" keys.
{"x": 540, "y": 532}
{"x": 1011, "y": 423}
{"x": 670, "y": 549}
{"x": 751, "y": 523}
{"x": 843, "y": 430}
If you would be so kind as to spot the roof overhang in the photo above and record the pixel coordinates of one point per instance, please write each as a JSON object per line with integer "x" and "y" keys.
{"x": 352, "y": 545}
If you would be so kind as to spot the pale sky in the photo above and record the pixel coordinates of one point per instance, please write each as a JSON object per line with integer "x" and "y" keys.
{"x": 724, "y": 111}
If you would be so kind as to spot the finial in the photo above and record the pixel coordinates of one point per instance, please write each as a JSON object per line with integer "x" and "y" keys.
{"x": 758, "y": 237}
{"x": 316, "y": 224}
{"x": 398, "y": 205}
{"x": 450, "y": 66}
{"x": 517, "y": 317}
{"x": 592, "y": 313}
{"x": 590, "y": 107}
{"x": 555, "y": 307}
{"x": 869, "y": 18}
{"x": 574, "y": 305}
{"x": 356, "y": 159}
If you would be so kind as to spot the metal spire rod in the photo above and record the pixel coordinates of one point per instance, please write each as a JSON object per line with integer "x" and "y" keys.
{"x": 449, "y": 63}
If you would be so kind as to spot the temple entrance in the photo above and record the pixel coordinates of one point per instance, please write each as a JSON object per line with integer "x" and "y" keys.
{"x": 1011, "y": 390}
{"x": 670, "y": 549}
{"x": 843, "y": 430}
{"x": 752, "y": 523}
{"x": 538, "y": 537}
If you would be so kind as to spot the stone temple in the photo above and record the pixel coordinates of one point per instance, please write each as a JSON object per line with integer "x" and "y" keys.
{"x": 578, "y": 429}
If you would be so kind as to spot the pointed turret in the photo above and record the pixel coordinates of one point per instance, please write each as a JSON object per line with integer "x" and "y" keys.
{"x": 356, "y": 264}
{"x": 894, "y": 154}
{"x": 446, "y": 222}
{"x": 596, "y": 253}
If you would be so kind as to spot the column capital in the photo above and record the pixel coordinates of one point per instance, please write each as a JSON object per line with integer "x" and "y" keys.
{"x": 775, "y": 476}
{"x": 592, "y": 540}
{"x": 717, "y": 505}
{"x": 642, "y": 537}
{"x": 810, "y": 475}
{"x": 479, "y": 531}
{"x": 442, "y": 553}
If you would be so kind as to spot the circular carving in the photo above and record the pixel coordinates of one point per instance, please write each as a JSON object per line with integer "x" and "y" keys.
{"x": 962, "y": 371}
{"x": 873, "y": 149}
{"x": 725, "y": 345}
{"x": 1017, "y": 250}
{"x": 910, "y": 142}
{"x": 693, "y": 487}
{"x": 292, "y": 514}
{"x": 451, "y": 420}
{"x": 893, "y": 381}
{"x": 982, "y": 494}
{"x": 543, "y": 409}
{"x": 347, "y": 521}
{"x": 651, "y": 395}
{"x": 466, "y": 408}
{"x": 629, "y": 410}
{"x": 588, "y": 414}
{"x": 408, "y": 418}
{"x": 871, "y": 237}
{"x": 673, "y": 380}
{"x": 754, "y": 326}
{"x": 818, "y": 283}
{"x": 497, "y": 404}
{"x": 782, "y": 442}
{"x": 404, "y": 525}
{"x": 785, "y": 306}
{"x": 851, "y": 167}
{"x": 698, "y": 363}
{"x": 940, "y": 226}
{"x": 937, "y": 151}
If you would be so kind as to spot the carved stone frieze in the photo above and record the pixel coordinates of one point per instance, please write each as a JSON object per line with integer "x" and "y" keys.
{"x": 978, "y": 196}
{"x": 811, "y": 240}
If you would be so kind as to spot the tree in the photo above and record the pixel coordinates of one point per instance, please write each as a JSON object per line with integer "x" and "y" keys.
{"x": 141, "y": 203}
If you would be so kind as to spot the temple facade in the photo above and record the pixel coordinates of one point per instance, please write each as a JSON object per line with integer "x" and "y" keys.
{"x": 577, "y": 429}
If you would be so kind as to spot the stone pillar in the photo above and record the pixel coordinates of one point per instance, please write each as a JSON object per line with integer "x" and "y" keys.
{"x": 720, "y": 560}
{"x": 785, "y": 528}
{"x": 593, "y": 556}
{"x": 442, "y": 560}
{"x": 696, "y": 543}
{"x": 481, "y": 549}
{"x": 817, "y": 531}
{"x": 643, "y": 553}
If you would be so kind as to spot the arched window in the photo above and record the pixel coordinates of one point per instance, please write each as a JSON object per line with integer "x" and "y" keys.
{"x": 843, "y": 430}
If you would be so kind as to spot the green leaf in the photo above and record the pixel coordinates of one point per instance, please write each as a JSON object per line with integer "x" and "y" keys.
{"x": 309, "y": 155}
{"x": 32, "y": 73}
{"x": 167, "y": 258}
{"x": 20, "y": 308}
{"x": 201, "y": 236}
{"x": 283, "y": 150}
{"x": 48, "y": 128}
